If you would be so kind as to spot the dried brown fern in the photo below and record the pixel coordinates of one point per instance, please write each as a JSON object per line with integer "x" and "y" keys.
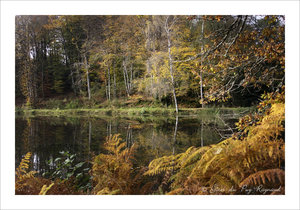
{"x": 229, "y": 163}
{"x": 22, "y": 174}
{"x": 275, "y": 176}
{"x": 112, "y": 172}
{"x": 26, "y": 182}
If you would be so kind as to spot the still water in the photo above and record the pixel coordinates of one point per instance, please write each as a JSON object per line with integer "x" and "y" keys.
{"x": 45, "y": 137}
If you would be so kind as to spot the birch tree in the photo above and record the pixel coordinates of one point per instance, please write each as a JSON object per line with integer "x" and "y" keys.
{"x": 169, "y": 23}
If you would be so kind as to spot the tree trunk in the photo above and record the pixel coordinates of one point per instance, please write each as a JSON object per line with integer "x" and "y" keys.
{"x": 115, "y": 85}
{"x": 43, "y": 93}
{"x": 108, "y": 83}
{"x": 87, "y": 76}
{"x": 201, "y": 75}
{"x": 201, "y": 88}
{"x": 171, "y": 65}
{"x": 131, "y": 78}
{"x": 73, "y": 82}
{"x": 125, "y": 77}
{"x": 149, "y": 72}
{"x": 28, "y": 71}
{"x": 106, "y": 89}
{"x": 88, "y": 84}
{"x": 127, "y": 80}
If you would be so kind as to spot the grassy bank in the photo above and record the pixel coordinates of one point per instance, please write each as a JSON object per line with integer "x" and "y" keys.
{"x": 149, "y": 111}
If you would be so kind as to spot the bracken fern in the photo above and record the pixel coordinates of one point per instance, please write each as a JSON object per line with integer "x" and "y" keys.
{"x": 255, "y": 156}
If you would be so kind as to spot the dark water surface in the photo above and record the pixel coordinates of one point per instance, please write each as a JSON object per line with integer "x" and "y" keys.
{"x": 45, "y": 137}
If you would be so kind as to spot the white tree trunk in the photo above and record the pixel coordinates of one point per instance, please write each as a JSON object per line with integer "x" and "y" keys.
{"x": 125, "y": 77}
{"x": 108, "y": 83}
{"x": 171, "y": 64}
{"x": 115, "y": 85}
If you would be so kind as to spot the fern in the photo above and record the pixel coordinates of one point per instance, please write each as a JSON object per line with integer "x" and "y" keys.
{"x": 27, "y": 183}
{"x": 193, "y": 157}
{"x": 247, "y": 158}
{"x": 107, "y": 191}
{"x": 113, "y": 172}
{"x": 45, "y": 189}
{"x": 222, "y": 181}
{"x": 21, "y": 172}
{"x": 163, "y": 164}
{"x": 24, "y": 165}
{"x": 262, "y": 177}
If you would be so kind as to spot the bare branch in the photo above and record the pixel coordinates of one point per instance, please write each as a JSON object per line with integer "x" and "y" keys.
{"x": 207, "y": 53}
{"x": 237, "y": 35}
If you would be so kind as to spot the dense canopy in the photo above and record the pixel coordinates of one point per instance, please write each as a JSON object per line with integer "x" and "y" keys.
{"x": 186, "y": 60}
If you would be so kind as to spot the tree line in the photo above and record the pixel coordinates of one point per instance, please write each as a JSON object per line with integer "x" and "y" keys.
{"x": 194, "y": 59}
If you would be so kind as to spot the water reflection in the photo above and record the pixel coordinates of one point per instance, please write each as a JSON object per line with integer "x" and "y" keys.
{"x": 155, "y": 137}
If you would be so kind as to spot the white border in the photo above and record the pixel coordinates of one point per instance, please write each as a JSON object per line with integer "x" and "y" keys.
{"x": 287, "y": 8}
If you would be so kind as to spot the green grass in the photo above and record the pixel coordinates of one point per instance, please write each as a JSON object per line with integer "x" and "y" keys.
{"x": 139, "y": 111}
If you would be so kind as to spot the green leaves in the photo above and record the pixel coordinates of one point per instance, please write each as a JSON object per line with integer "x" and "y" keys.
{"x": 79, "y": 165}
{"x": 66, "y": 168}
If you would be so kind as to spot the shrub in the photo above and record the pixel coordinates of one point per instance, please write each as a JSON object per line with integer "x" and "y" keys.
{"x": 66, "y": 169}
{"x": 73, "y": 104}
{"x": 54, "y": 104}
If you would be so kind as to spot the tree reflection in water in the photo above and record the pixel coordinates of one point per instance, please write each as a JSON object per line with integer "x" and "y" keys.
{"x": 45, "y": 137}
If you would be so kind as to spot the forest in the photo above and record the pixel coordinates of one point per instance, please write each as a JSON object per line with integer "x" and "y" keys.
{"x": 182, "y": 61}
{"x": 142, "y": 67}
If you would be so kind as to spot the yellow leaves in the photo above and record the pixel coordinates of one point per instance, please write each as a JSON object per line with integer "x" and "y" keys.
{"x": 212, "y": 70}
{"x": 201, "y": 101}
{"x": 221, "y": 65}
{"x": 107, "y": 191}
{"x": 163, "y": 164}
{"x": 24, "y": 165}
{"x": 45, "y": 189}
{"x": 270, "y": 151}
{"x": 218, "y": 18}
{"x": 176, "y": 192}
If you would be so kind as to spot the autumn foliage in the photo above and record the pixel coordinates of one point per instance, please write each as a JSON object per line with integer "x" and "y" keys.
{"x": 113, "y": 171}
{"x": 253, "y": 158}
{"x": 182, "y": 61}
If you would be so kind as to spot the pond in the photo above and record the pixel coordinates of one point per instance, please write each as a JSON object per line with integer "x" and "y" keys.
{"x": 155, "y": 136}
